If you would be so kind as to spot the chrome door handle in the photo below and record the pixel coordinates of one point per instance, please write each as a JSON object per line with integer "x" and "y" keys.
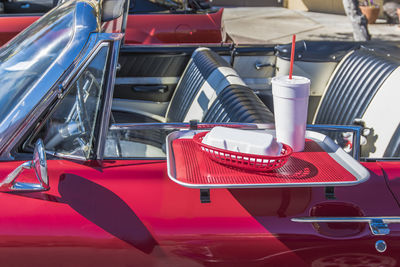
{"x": 259, "y": 65}
{"x": 377, "y": 225}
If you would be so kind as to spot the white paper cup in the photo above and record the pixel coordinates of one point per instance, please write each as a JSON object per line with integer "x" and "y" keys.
{"x": 290, "y": 109}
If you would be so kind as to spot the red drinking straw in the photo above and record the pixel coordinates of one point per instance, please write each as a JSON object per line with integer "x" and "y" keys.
{"x": 292, "y": 56}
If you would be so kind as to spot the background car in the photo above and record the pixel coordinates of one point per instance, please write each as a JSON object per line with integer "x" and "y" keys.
{"x": 149, "y": 21}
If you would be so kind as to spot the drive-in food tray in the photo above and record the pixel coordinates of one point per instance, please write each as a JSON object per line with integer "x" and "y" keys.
{"x": 323, "y": 163}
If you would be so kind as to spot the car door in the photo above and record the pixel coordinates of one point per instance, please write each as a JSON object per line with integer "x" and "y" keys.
{"x": 148, "y": 75}
{"x": 261, "y": 226}
{"x": 44, "y": 228}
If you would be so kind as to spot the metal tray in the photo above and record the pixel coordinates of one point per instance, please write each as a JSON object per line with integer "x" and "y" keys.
{"x": 360, "y": 173}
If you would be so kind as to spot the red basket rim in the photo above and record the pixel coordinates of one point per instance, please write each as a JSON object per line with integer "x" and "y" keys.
{"x": 199, "y": 137}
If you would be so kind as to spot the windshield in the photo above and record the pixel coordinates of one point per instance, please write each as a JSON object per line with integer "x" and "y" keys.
{"x": 25, "y": 59}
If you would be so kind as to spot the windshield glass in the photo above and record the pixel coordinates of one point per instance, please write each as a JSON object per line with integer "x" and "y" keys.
{"x": 25, "y": 59}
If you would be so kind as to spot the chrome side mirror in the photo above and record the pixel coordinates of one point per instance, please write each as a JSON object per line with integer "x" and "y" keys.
{"x": 39, "y": 164}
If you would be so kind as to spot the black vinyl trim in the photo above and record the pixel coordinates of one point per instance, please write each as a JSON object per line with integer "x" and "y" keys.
{"x": 254, "y": 50}
{"x": 152, "y": 65}
{"x": 317, "y": 51}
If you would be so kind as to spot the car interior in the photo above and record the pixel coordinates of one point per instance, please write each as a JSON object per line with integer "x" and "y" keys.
{"x": 165, "y": 7}
{"x": 351, "y": 84}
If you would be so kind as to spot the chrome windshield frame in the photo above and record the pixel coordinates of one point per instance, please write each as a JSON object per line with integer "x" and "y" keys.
{"x": 108, "y": 97}
{"x": 37, "y": 98}
{"x": 57, "y": 91}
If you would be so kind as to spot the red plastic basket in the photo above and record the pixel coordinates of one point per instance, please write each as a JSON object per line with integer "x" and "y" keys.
{"x": 245, "y": 161}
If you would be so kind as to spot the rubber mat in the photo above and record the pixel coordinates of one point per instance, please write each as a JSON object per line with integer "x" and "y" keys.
{"x": 313, "y": 165}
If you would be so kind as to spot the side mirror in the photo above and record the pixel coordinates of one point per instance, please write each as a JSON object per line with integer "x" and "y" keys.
{"x": 112, "y": 9}
{"x": 39, "y": 164}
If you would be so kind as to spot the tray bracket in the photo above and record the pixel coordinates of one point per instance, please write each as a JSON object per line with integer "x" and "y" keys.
{"x": 330, "y": 192}
{"x": 205, "y": 196}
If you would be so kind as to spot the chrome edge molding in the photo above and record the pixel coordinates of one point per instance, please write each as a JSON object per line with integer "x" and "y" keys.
{"x": 377, "y": 225}
{"x": 108, "y": 97}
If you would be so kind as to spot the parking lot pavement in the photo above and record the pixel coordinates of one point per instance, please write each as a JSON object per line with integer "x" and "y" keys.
{"x": 274, "y": 25}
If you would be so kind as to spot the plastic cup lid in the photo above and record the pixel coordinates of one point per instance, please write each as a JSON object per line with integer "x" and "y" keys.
{"x": 297, "y": 87}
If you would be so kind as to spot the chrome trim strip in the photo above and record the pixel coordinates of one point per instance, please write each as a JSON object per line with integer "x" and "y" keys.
{"x": 183, "y": 125}
{"x": 146, "y": 80}
{"x": 385, "y": 219}
{"x": 377, "y": 225}
{"x": 65, "y": 156}
{"x": 108, "y": 98}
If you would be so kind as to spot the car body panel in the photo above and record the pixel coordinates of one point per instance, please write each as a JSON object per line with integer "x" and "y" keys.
{"x": 130, "y": 212}
{"x": 174, "y": 28}
{"x": 10, "y": 26}
{"x": 392, "y": 174}
{"x": 157, "y": 28}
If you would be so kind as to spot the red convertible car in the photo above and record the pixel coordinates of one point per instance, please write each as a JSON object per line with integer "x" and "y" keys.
{"x": 106, "y": 117}
{"x": 150, "y": 21}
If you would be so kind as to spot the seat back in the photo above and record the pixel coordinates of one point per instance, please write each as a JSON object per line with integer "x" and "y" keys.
{"x": 364, "y": 86}
{"x": 238, "y": 103}
{"x": 205, "y": 76}
{"x": 354, "y": 84}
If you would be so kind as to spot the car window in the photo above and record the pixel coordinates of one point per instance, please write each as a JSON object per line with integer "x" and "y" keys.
{"x": 138, "y": 143}
{"x": 70, "y": 129}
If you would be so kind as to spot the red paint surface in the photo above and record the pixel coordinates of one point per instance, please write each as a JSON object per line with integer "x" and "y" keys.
{"x": 11, "y": 26}
{"x": 129, "y": 213}
{"x": 174, "y": 28}
{"x": 143, "y": 29}
{"x": 314, "y": 165}
{"x": 392, "y": 175}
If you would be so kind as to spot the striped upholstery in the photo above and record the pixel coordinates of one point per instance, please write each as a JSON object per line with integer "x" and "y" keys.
{"x": 238, "y": 104}
{"x": 353, "y": 87}
{"x": 360, "y": 88}
{"x": 200, "y": 67}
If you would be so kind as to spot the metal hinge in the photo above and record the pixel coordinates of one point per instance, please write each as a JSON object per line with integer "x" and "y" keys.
{"x": 378, "y": 227}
